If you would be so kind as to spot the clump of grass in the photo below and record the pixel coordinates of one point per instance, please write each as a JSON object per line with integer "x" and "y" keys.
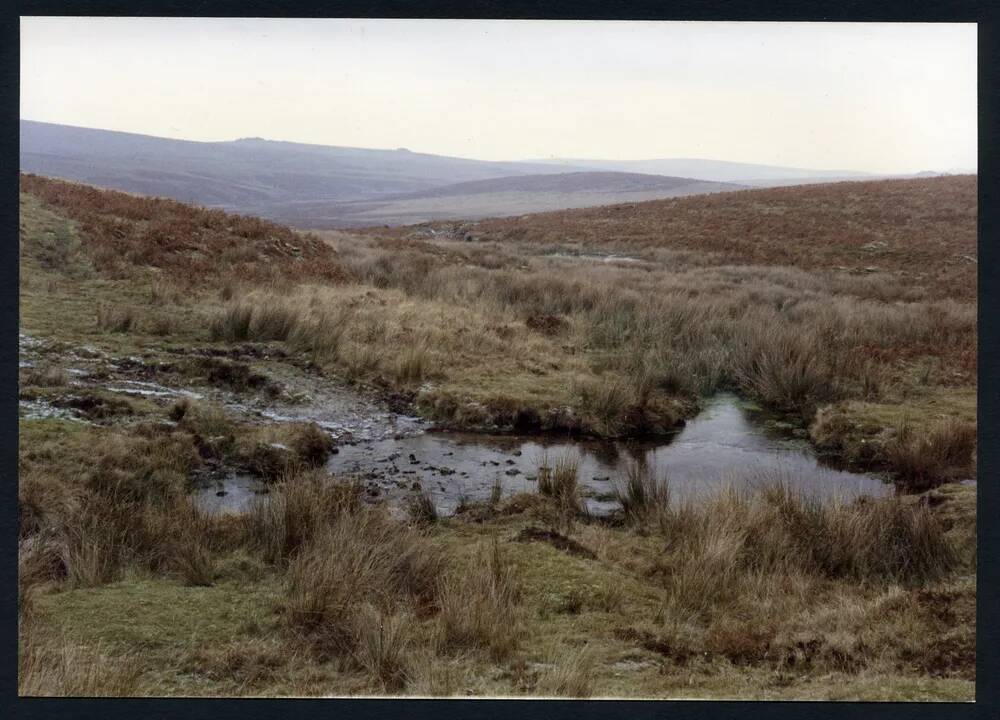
{"x": 572, "y": 675}
{"x": 361, "y": 557}
{"x": 116, "y": 318}
{"x": 412, "y": 364}
{"x": 193, "y": 560}
{"x": 46, "y": 377}
{"x": 273, "y": 319}
{"x": 784, "y": 368}
{"x": 233, "y": 323}
{"x": 561, "y": 483}
{"x": 479, "y": 606}
{"x": 421, "y": 508}
{"x": 295, "y": 511}
{"x": 323, "y": 335}
{"x": 311, "y": 444}
{"x": 605, "y": 401}
{"x": 205, "y": 419}
{"x": 643, "y": 496}
{"x": 381, "y": 642}
{"x": 944, "y": 451}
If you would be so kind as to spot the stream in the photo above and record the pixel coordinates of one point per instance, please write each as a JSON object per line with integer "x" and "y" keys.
{"x": 730, "y": 443}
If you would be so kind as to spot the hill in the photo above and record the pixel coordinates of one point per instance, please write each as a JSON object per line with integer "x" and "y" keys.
{"x": 329, "y": 186}
{"x": 497, "y": 197}
{"x": 717, "y": 170}
{"x": 242, "y": 175}
{"x": 923, "y": 229}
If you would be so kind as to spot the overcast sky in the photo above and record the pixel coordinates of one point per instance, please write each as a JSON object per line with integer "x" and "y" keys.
{"x": 875, "y": 97}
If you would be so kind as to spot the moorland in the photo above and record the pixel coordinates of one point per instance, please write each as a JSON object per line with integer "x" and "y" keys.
{"x": 149, "y": 328}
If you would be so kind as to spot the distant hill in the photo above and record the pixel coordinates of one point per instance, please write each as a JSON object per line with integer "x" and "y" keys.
{"x": 243, "y": 175}
{"x": 500, "y": 197}
{"x": 329, "y": 186}
{"x": 718, "y": 170}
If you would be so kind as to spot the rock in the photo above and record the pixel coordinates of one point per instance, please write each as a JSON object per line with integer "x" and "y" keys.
{"x": 416, "y": 485}
{"x": 512, "y": 472}
{"x": 221, "y": 493}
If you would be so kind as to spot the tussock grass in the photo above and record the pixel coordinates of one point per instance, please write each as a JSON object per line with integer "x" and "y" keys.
{"x": 479, "y": 607}
{"x": 560, "y": 482}
{"x": 944, "y": 451}
{"x": 46, "y": 377}
{"x": 117, "y": 319}
{"x": 717, "y": 545}
{"x": 360, "y": 558}
{"x": 421, "y": 508}
{"x": 382, "y": 647}
{"x": 295, "y": 511}
{"x": 765, "y": 591}
{"x": 644, "y": 497}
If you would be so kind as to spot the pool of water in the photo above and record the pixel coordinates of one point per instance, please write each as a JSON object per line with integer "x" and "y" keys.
{"x": 728, "y": 444}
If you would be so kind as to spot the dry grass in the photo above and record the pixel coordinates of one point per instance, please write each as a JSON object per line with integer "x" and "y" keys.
{"x": 122, "y": 231}
{"x": 945, "y": 451}
{"x": 921, "y": 227}
{"x": 572, "y": 675}
{"x": 479, "y": 607}
{"x": 53, "y": 669}
{"x": 560, "y": 482}
{"x": 360, "y": 558}
{"x": 716, "y": 548}
{"x": 643, "y": 495}
{"x": 763, "y": 593}
{"x": 381, "y": 647}
{"x": 421, "y": 508}
{"x": 46, "y": 377}
{"x": 296, "y": 511}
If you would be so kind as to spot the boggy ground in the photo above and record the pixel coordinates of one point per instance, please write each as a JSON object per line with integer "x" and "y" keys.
{"x": 126, "y": 588}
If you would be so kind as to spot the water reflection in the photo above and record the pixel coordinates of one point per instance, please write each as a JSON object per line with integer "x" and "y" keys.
{"x": 724, "y": 445}
{"x": 727, "y": 444}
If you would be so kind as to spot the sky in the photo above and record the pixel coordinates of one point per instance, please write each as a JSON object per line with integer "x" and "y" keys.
{"x": 876, "y": 97}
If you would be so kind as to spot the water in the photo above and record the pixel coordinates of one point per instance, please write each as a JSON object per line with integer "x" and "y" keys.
{"x": 727, "y": 444}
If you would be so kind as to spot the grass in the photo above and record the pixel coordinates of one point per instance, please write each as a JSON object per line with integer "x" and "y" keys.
{"x": 474, "y": 598}
{"x": 126, "y": 588}
{"x": 643, "y": 496}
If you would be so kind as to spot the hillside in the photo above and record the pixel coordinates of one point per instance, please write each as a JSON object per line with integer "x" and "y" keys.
{"x": 185, "y": 243}
{"x": 322, "y": 186}
{"x": 717, "y": 170}
{"x": 242, "y": 175}
{"x": 499, "y": 197}
{"x": 923, "y": 230}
